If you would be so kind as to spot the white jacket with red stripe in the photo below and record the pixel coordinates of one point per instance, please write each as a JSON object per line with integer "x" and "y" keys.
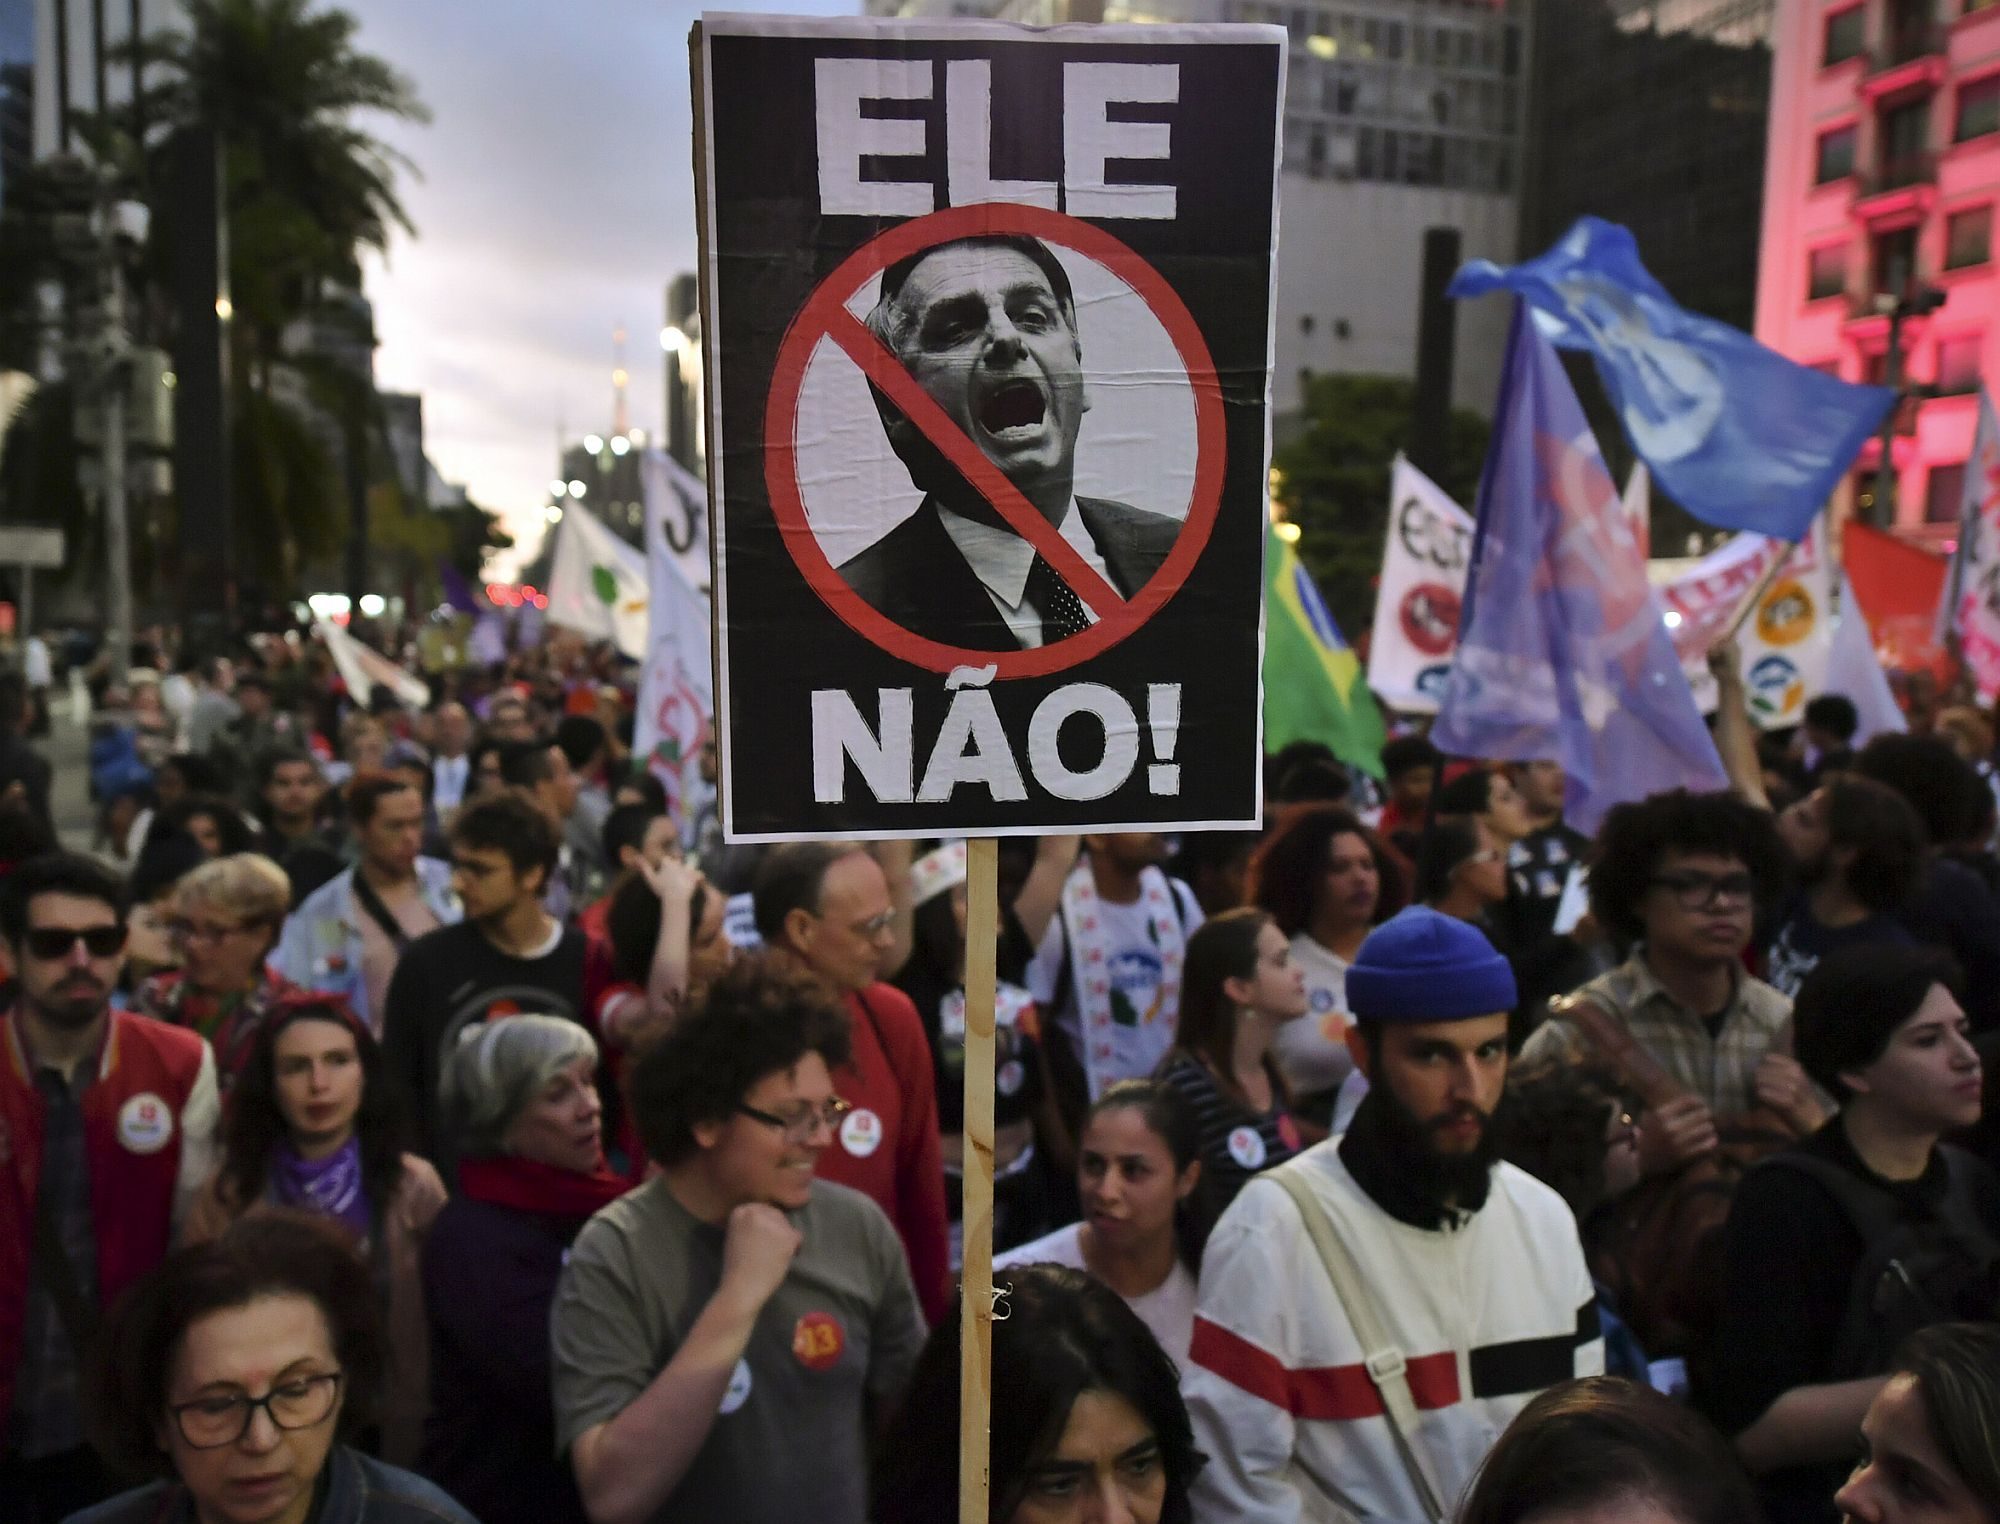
{"x": 1487, "y": 1313}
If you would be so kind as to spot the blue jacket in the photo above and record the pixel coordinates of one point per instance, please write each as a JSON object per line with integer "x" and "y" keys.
{"x": 321, "y": 945}
{"x": 357, "y": 1489}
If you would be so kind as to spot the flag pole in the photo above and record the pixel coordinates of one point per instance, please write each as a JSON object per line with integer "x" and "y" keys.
{"x": 1742, "y": 615}
{"x": 975, "y": 1383}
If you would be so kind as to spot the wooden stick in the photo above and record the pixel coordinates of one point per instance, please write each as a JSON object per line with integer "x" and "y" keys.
{"x": 975, "y": 1382}
{"x": 1749, "y": 605}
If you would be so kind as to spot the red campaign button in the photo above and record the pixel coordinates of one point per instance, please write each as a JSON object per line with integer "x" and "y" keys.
{"x": 818, "y": 1341}
{"x": 825, "y": 318}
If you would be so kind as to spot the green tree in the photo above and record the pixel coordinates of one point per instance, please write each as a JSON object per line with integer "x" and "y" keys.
{"x": 1333, "y": 482}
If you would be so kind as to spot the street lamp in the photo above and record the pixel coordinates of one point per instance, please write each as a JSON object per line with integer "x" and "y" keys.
{"x": 1917, "y": 301}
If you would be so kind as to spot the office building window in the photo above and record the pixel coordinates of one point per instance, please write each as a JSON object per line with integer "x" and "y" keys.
{"x": 1846, "y": 35}
{"x": 1826, "y": 272}
{"x": 1978, "y": 109}
{"x": 1942, "y": 491}
{"x": 1958, "y": 359}
{"x": 1968, "y": 237}
{"x": 1835, "y": 160}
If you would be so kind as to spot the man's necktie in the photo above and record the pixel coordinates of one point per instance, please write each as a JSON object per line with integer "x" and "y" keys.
{"x": 1062, "y": 612}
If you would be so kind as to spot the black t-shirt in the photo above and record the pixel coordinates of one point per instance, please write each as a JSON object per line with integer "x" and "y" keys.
{"x": 1790, "y": 1256}
{"x": 1956, "y": 911}
{"x": 454, "y": 975}
{"x": 1802, "y": 940}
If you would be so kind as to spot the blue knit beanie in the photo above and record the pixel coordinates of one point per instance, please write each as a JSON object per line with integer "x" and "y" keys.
{"x": 1423, "y": 966}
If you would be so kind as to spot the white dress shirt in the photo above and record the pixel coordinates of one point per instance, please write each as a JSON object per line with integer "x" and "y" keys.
{"x": 1001, "y": 560}
{"x": 448, "y": 778}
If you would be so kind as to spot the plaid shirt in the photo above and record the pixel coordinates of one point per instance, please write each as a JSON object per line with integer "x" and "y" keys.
{"x": 1722, "y": 1069}
{"x": 47, "y": 1416}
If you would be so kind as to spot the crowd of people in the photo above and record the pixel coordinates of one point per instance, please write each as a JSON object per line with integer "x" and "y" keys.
{"x": 422, "y": 1114}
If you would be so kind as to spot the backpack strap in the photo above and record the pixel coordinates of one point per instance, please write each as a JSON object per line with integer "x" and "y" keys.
{"x": 1613, "y": 1041}
{"x": 1382, "y": 1358}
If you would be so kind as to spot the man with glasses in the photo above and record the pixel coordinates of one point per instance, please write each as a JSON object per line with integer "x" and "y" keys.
{"x": 827, "y": 904}
{"x": 725, "y": 1337}
{"x": 1679, "y": 877}
{"x": 107, "y": 1130}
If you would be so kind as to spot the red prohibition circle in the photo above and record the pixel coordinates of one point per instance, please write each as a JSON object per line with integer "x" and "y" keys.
{"x": 828, "y": 304}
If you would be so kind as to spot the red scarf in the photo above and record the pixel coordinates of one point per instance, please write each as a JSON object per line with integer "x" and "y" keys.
{"x": 528, "y": 1185}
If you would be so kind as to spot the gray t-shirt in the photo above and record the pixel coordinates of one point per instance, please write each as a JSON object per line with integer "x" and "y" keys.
{"x": 792, "y": 1429}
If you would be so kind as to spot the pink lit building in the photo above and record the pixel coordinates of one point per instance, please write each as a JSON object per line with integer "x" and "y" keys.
{"x": 1881, "y": 176}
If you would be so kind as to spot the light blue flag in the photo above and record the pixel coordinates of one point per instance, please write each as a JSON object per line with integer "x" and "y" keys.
{"x": 1562, "y": 649}
{"x": 1737, "y": 434}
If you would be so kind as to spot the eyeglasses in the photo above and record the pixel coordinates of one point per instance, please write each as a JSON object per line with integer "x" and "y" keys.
{"x": 1703, "y": 891}
{"x": 801, "y": 1124}
{"x": 875, "y": 925}
{"x": 190, "y": 931}
{"x": 209, "y": 1423}
{"x": 49, "y": 943}
{"x": 1480, "y": 859}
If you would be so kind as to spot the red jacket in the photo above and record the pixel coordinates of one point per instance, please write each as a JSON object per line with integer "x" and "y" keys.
{"x": 887, "y": 1148}
{"x": 149, "y": 1123}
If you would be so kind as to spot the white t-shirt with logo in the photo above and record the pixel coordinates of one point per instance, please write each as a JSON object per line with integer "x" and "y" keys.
{"x": 1312, "y": 1051}
{"x": 1168, "y": 1309}
{"x": 1135, "y": 967}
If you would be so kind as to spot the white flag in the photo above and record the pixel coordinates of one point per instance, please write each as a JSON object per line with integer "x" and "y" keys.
{"x": 598, "y": 584}
{"x": 1971, "y": 600}
{"x": 363, "y": 668}
{"x": 681, "y": 502}
{"x": 677, "y": 692}
{"x": 1853, "y": 669}
{"x": 1421, "y": 591}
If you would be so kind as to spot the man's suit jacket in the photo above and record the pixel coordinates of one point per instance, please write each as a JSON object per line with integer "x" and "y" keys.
{"x": 915, "y": 576}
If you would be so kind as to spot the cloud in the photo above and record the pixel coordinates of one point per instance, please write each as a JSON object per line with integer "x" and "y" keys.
{"x": 556, "y": 202}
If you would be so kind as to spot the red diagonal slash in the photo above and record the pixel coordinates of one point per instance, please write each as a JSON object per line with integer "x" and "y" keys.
{"x": 882, "y": 367}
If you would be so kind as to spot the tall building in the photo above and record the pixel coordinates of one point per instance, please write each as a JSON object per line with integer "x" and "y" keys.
{"x": 17, "y": 89}
{"x": 1879, "y": 186}
{"x": 1651, "y": 113}
{"x": 76, "y": 63}
{"x": 1400, "y": 115}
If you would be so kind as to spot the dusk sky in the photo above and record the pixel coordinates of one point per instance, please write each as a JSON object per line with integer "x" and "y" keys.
{"x": 557, "y": 201}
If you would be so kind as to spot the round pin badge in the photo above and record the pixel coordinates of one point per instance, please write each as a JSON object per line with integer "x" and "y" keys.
{"x": 1246, "y": 1147}
{"x": 738, "y": 1391}
{"x": 861, "y": 1133}
{"x": 818, "y": 1340}
{"x": 145, "y": 1124}
{"x": 1012, "y": 1076}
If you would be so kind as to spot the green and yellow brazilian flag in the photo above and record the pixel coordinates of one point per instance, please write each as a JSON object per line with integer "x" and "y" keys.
{"x": 1314, "y": 689}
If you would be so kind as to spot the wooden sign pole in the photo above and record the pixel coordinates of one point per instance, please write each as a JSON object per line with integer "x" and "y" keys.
{"x": 975, "y": 1385}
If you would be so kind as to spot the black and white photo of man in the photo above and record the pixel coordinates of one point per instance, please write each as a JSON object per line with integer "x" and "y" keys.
{"x": 988, "y": 327}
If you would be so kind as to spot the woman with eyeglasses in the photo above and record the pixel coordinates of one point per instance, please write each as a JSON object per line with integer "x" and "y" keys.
{"x": 520, "y": 1101}
{"x": 227, "y": 917}
{"x": 237, "y": 1374}
{"x": 1462, "y": 868}
{"x": 313, "y": 1126}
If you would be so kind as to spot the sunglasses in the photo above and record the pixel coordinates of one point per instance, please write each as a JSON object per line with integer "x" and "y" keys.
{"x": 49, "y": 943}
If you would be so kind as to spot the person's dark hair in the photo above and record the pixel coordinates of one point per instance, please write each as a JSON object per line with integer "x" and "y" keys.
{"x": 524, "y": 764}
{"x": 1405, "y": 753}
{"x": 1634, "y": 838}
{"x": 1206, "y": 855}
{"x": 632, "y": 922}
{"x": 508, "y": 823}
{"x": 167, "y": 857}
{"x": 1289, "y": 868}
{"x": 23, "y": 835}
{"x": 1887, "y": 837}
{"x": 1294, "y": 755}
{"x": 1171, "y": 1118}
{"x": 643, "y": 781}
{"x": 625, "y": 827}
{"x": 1853, "y": 1001}
{"x": 1065, "y": 1334}
{"x": 275, "y": 757}
{"x": 1314, "y": 780}
{"x": 790, "y": 878}
{"x": 759, "y": 1018}
{"x": 268, "y": 1253}
{"x": 253, "y": 1127}
{"x": 56, "y": 873}
{"x": 581, "y": 738}
{"x": 1224, "y": 947}
{"x": 13, "y": 702}
{"x": 1470, "y": 793}
{"x": 202, "y": 775}
{"x": 1553, "y": 1126}
{"x": 1447, "y": 843}
{"x": 1835, "y": 714}
{"x": 1587, "y": 1443}
{"x": 1957, "y": 1366}
{"x": 232, "y": 831}
{"x": 367, "y": 790}
{"x": 1945, "y": 789}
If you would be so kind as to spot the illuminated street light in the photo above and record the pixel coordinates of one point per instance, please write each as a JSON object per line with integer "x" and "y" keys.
{"x": 576, "y": 489}
{"x": 553, "y": 514}
{"x": 620, "y": 444}
{"x": 594, "y": 443}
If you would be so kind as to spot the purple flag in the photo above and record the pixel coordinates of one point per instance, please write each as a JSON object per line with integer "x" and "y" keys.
{"x": 457, "y": 591}
{"x": 1562, "y": 650}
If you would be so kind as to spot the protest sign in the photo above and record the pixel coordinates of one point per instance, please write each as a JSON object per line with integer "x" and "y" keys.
{"x": 1784, "y": 641}
{"x": 987, "y": 316}
{"x": 1970, "y": 607}
{"x": 1423, "y": 583}
{"x": 676, "y": 688}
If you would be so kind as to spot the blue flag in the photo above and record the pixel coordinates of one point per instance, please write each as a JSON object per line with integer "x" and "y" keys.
{"x": 1737, "y": 434}
{"x": 1562, "y": 649}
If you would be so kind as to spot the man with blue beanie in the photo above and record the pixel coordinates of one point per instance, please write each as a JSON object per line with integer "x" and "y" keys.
{"x": 1374, "y": 1313}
